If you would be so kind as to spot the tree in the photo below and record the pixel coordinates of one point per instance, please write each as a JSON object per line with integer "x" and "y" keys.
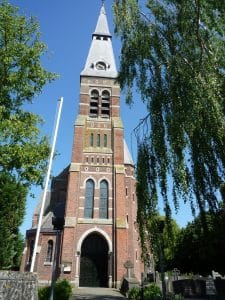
{"x": 200, "y": 251}
{"x": 173, "y": 53}
{"x": 23, "y": 152}
{"x": 12, "y": 203}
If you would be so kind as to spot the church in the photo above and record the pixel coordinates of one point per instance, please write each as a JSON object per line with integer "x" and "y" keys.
{"x": 89, "y": 233}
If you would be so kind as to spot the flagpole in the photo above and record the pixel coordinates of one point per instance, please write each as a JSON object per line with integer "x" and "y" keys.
{"x": 60, "y": 102}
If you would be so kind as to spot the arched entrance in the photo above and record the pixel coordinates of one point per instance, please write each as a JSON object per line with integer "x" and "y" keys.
{"x": 94, "y": 261}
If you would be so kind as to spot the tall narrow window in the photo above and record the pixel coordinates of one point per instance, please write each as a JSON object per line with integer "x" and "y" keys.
{"x": 94, "y": 103}
{"x": 98, "y": 140}
{"x": 105, "y": 109}
{"x": 89, "y": 199}
{"x": 49, "y": 251}
{"x": 103, "y": 204}
{"x": 92, "y": 140}
{"x": 31, "y": 251}
{"x": 105, "y": 140}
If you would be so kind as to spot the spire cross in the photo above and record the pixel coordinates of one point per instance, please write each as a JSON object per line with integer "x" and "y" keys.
{"x": 103, "y": 2}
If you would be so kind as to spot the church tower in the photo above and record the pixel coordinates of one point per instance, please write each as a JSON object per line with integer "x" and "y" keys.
{"x": 101, "y": 204}
{"x": 99, "y": 239}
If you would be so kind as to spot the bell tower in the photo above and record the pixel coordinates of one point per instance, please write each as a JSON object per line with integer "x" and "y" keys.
{"x": 99, "y": 233}
{"x": 95, "y": 194}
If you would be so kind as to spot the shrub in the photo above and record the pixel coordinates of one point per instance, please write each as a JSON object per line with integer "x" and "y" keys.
{"x": 62, "y": 291}
{"x": 175, "y": 297}
{"x": 152, "y": 292}
{"x": 44, "y": 293}
{"x": 134, "y": 294}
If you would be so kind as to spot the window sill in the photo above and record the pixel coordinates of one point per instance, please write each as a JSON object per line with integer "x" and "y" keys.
{"x": 48, "y": 263}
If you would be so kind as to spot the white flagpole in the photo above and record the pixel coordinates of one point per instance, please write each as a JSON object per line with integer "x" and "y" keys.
{"x": 46, "y": 185}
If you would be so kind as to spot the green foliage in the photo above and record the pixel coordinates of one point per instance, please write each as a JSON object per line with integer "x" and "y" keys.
{"x": 18, "y": 246}
{"x": 12, "y": 209}
{"x": 152, "y": 292}
{"x": 21, "y": 73}
{"x": 44, "y": 293}
{"x": 202, "y": 248}
{"x": 173, "y": 53}
{"x": 62, "y": 291}
{"x": 23, "y": 152}
{"x": 199, "y": 250}
{"x": 134, "y": 294}
{"x": 175, "y": 297}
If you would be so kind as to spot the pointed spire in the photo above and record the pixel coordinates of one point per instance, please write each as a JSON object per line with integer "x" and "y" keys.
{"x": 100, "y": 61}
{"x": 102, "y": 24}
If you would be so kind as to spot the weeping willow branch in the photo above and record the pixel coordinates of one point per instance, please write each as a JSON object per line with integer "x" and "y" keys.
{"x": 164, "y": 54}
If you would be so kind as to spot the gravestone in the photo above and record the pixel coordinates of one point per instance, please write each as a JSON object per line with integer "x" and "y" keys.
{"x": 210, "y": 286}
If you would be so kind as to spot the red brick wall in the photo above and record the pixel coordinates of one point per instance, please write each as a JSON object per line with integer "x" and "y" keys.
{"x": 98, "y": 163}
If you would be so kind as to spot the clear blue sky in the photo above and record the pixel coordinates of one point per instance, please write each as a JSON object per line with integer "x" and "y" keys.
{"x": 66, "y": 27}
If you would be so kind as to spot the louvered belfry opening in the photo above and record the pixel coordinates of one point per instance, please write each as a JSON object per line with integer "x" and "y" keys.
{"x": 94, "y": 103}
{"x": 105, "y": 107}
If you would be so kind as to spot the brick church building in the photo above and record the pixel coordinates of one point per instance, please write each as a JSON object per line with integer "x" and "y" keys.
{"x": 89, "y": 233}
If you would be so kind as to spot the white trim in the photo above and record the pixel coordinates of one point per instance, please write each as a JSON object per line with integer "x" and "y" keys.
{"x": 94, "y": 172}
{"x": 92, "y": 89}
{"x": 92, "y": 230}
{"x": 86, "y": 179}
{"x": 107, "y": 180}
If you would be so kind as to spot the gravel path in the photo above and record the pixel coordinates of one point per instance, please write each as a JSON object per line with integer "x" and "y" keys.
{"x": 97, "y": 294}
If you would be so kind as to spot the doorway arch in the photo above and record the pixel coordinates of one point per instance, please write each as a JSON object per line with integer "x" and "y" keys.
{"x": 94, "y": 261}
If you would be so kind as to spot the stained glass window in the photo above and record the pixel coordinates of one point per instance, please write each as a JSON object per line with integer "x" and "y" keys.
{"x": 89, "y": 199}
{"x": 103, "y": 204}
{"x": 49, "y": 251}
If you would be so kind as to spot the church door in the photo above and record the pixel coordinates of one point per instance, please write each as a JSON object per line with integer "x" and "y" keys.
{"x": 94, "y": 262}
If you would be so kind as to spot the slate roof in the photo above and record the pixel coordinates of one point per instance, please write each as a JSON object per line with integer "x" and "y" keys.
{"x": 127, "y": 156}
{"x": 101, "y": 50}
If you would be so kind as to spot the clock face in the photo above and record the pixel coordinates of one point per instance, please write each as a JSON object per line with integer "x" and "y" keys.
{"x": 100, "y": 65}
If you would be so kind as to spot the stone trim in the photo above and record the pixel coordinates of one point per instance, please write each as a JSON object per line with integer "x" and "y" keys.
{"x": 80, "y": 120}
{"x": 74, "y": 167}
{"x": 48, "y": 263}
{"x": 95, "y": 229}
{"x": 95, "y": 221}
{"x": 97, "y": 150}
{"x": 117, "y": 122}
{"x": 121, "y": 223}
{"x": 70, "y": 222}
{"x": 120, "y": 169}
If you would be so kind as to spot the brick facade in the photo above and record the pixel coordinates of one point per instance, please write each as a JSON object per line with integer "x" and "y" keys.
{"x": 99, "y": 155}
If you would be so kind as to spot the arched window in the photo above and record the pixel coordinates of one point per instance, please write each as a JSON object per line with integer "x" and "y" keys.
{"x": 103, "y": 204}
{"x": 105, "y": 140}
{"x": 105, "y": 109}
{"x": 49, "y": 251}
{"x": 89, "y": 199}
{"x": 98, "y": 140}
{"x": 92, "y": 139}
{"x": 94, "y": 103}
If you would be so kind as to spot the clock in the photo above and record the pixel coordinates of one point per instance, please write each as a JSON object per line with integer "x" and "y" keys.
{"x": 100, "y": 65}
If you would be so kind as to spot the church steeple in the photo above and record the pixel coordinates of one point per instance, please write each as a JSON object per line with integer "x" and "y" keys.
{"x": 100, "y": 61}
{"x": 95, "y": 195}
{"x": 102, "y": 28}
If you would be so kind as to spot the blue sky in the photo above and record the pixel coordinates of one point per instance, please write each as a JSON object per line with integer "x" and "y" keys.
{"x": 66, "y": 27}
